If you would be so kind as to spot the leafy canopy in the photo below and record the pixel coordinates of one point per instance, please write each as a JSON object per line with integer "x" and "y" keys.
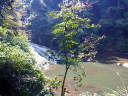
{"x": 70, "y": 28}
{"x": 70, "y": 36}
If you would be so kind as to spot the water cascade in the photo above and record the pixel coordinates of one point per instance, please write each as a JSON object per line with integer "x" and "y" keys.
{"x": 42, "y": 56}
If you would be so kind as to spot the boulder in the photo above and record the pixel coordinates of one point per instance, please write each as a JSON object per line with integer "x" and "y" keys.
{"x": 125, "y": 65}
{"x": 119, "y": 64}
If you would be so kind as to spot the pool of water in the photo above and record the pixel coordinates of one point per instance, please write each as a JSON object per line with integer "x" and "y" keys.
{"x": 99, "y": 77}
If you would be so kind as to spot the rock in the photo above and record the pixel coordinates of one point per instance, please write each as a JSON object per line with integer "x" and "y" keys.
{"x": 125, "y": 65}
{"x": 119, "y": 64}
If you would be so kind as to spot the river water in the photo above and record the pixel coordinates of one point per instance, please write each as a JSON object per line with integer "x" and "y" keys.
{"x": 99, "y": 77}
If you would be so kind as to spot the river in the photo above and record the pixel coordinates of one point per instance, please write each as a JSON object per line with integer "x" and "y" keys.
{"x": 99, "y": 77}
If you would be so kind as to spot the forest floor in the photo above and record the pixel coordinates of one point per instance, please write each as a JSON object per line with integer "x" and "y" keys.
{"x": 105, "y": 57}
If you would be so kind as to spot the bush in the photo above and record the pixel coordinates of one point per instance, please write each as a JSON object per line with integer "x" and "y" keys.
{"x": 6, "y": 35}
{"x": 22, "y": 42}
{"x": 18, "y": 75}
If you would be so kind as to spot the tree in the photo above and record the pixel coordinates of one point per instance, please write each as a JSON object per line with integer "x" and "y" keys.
{"x": 70, "y": 33}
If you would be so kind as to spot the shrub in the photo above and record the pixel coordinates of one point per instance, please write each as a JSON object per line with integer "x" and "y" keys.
{"x": 18, "y": 75}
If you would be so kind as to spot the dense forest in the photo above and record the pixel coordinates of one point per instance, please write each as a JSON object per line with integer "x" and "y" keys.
{"x": 111, "y": 15}
{"x": 77, "y": 29}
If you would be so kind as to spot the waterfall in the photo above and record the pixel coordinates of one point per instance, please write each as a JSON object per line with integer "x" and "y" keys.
{"x": 42, "y": 57}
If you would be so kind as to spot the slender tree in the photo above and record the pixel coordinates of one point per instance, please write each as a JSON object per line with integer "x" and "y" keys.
{"x": 68, "y": 32}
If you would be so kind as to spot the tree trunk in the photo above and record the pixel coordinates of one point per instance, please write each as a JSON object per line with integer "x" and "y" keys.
{"x": 63, "y": 91}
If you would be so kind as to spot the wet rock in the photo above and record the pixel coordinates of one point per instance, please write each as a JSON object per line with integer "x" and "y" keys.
{"x": 125, "y": 65}
{"x": 119, "y": 64}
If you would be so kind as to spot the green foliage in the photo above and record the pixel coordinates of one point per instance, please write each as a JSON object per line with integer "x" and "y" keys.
{"x": 122, "y": 44}
{"x": 69, "y": 30}
{"x": 110, "y": 14}
{"x": 54, "y": 83}
{"x": 21, "y": 41}
{"x": 18, "y": 74}
{"x": 13, "y": 54}
{"x": 5, "y": 5}
{"x": 68, "y": 33}
{"x": 113, "y": 18}
{"x": 11, "y": 16}
{"x": 6, "y": 34}
{"x": 17, "y": 71}
{"x": 38, "y": 19}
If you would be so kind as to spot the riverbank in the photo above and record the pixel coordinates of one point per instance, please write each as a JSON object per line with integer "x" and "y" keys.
{"x": 111, "y": 57}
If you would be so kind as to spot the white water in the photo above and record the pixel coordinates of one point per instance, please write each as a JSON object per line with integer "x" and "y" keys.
{"x": 40, "y": 61}
{"x": 42, "y": 51}
{"x": 42, "y": 57}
